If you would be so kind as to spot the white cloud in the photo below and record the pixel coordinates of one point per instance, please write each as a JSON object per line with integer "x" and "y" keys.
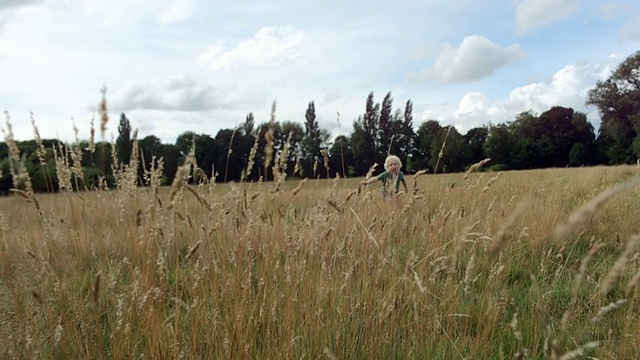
{"x": 270, "y": 47}
{"x": 6, "y": 4}
{"x": 477, "y": 57}
{"x": 56, "y": 55}
{"x": 178, "y": 94}
{"x": 630, "y": 30}
{"x": 178, "y": 10}
{"x": 531, "y": 14}
{"x": 568, "y": 87}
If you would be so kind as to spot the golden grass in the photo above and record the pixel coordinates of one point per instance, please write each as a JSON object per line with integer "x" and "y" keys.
{"x": 327, "y": 269}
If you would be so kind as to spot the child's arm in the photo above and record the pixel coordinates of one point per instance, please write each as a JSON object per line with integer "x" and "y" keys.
{"x": 404, "y": 183}
{"x": 370, "y": 180}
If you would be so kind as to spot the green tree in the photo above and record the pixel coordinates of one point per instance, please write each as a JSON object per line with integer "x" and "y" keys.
{"x": 407, "y": 138}
{"x": 365, "y": 139}
{"x": 229, "y": 161}
{"x": 386, "y": 126}
{"x": 150, "y": 147}
{"x": 579, "y": 155}
{"x": 424, "y": 139}
{"x": 171, "y": 157}
{"x": 207, "y": 151}
{"x": 341, "y": 153}
{"x": 248, "y": 127}
{"x": 475, "y": 140}
{"x": 451, "y": 144}
{"x": 618, "y": 100}
{"x": 499, "y": 145}
{"x": 311, "y": 143}
{"x": 185, "y": 141}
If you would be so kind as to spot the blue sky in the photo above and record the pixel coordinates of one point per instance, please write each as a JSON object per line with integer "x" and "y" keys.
{"x": 178, "y": 65}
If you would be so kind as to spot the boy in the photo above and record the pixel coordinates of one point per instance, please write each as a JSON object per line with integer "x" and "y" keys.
{"x": 391, "y": 177}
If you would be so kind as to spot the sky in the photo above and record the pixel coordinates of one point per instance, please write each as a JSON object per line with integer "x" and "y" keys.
{"x": 193, "y": 65}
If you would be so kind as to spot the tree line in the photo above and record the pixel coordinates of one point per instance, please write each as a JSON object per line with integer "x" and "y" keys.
{"x": 558, "y": 137}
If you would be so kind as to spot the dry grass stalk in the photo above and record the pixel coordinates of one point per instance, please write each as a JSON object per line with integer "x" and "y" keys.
{"x": 37, "y": 297}
{"x": 415, "y": 180}
{"x": 284, "y": 156}
{"x": 182, "y": 175}
{"x": 202, "y": 176}
{"x": 586, "y": 211}
{"x": 608, "y": 308}
{"x": 200, "y": 199}
{"x": 102, "y": 110}
{"x": 441, "y": 153}
{"x": 616, "y": 270}
{"x": 365, "y": 228}
{"x": 371, "y": 170}
{"x": 325, "y": 160}
{"x": 633, "y": 282}
{"x": 490, "y": 182}
{"x": 40, "y": 150}
{"x": 33, "y": 256}
{"x": 192, "y": 252}
{"x": 295, "y": 191}
{"x": 577, "y": 282}
{"x": 116, "y": 167}
{"x": 335, "y": 205}
{"x": 297, "y": 168}
{"x": 315, "y": 168}
{"x": 268, "y": 137}
{"x": 351, "y": 194}
{"x": 505, "y": 231}
{"x": 91, "y": 147}
{"x": 251, "y": 161}
{"x": 229, "y": 152}
{"x": 515, "y": 328}
{"x": 30, "y": 198}
{"x": 475, "y": 167}
{"x": 139, "y": 217}
{"x": 62, "y": 168}
{"x": 57, "y": 334}
{"x": 574, "y": 354}
{"x": 96, "y": 288}
{"x": 76, "y": 155}
{"x": 329, "y": 354}
{"x": 19, "y": 174}
{"x": 469, "y": 274}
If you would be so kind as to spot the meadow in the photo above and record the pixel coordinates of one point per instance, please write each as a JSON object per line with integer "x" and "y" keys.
{"x": 483, "y": 265}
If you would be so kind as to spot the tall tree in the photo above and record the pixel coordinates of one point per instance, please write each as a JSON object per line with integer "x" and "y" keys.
{"x": 618, "y": 102}
{"x": 475, "y": 140}
{"x": 341, "y": 153}
{"x": 124, "y": 142}
{"x": 311, "y": 144}
{"x": 425, "y": 136}
{"x": 364, "y": 137}
{"x": 249, "y": 124}
{"x": 448, "y": 151}
{"x": 386, "y": 128}
{"x": 228, "y": 161}
{"x": 407, "y": 140}
{"x": 499, "y": 145}
{"x": 150, "y": 147}
{"x": 171, "y": 157}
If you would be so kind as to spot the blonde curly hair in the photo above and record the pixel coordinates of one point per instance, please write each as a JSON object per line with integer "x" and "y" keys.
{"x": 391, "y": 159}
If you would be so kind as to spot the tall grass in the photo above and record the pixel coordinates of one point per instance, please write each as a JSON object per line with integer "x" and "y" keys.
{"x": 466, "y": 266}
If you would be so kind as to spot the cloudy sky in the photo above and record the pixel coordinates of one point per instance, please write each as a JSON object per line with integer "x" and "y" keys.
{"x": 178, "y": 65}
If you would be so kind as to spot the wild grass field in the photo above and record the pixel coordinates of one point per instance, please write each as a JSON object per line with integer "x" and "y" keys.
{"x": 530, "y": 264}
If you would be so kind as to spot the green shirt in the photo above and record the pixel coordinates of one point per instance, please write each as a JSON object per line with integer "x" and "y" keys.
{"x": 388, "y": 180}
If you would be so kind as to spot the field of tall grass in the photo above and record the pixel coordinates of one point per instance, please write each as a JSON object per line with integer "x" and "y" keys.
{"x": 531, "y": 264}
